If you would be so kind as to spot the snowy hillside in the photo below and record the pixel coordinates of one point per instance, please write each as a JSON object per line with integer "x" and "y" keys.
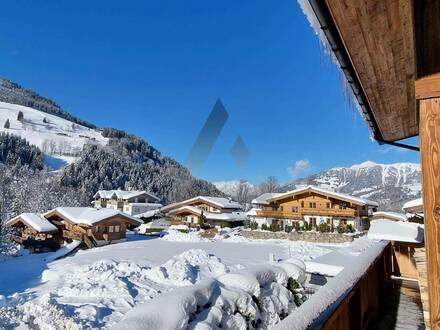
{"x": 55, "y": 136}
{"x": 230, "y": 188}
{"x": 389, "y": 184}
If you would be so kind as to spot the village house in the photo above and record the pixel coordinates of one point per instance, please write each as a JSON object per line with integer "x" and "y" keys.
{"x": 130, "y": 202}
{"x": 93, "y": 227}
{"x": 314, "y": 206}
{"x": 383, "y": 215}
{"x": 216, "y": 211}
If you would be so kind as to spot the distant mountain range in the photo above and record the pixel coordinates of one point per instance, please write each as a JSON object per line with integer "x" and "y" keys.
{"x": 391, "y": 185}
{"x": 230, "y": 188}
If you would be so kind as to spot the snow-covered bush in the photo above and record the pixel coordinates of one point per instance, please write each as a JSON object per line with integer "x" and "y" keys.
{"x": 258, "y": 297}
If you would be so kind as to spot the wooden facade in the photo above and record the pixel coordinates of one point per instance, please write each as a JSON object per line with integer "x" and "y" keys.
{"x": 313, "y": 205}
{"x": 102, "y": 232}
{"x": 188, "y": 212}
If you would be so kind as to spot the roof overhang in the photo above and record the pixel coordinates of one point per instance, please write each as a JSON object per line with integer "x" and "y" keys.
{"x": 67, "y": 218}
{"x": 310, "y": 189}
{"x": 374, "y": 43}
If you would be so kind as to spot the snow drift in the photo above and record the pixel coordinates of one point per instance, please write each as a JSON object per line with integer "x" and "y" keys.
{"x": 258, "y": 296}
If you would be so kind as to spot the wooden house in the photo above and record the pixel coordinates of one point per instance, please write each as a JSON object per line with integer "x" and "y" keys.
{"x": 92, "y": 226}
{"x": 315, "y": 206}
{"x": 130, "y": 202}
{"x": 35, "y": 232}
{"x": 217, "y": 211}
{"x": 393, "y": 216}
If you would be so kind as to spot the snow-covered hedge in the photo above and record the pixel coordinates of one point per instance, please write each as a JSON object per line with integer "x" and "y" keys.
{"x": 254, "y": 297}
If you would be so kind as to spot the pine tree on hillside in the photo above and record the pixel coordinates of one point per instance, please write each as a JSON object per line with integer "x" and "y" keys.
{"x": 7, "y": 124}
{"x": 20, "y": 116}
{"x": 45, "y": 120}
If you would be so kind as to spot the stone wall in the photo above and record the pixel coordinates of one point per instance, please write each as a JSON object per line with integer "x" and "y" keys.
{"x": 308, "y": 236}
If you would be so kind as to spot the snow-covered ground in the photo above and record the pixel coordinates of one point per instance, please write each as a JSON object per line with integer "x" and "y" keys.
{"x": 95, "y": 288}
{"x": 56, "y": 137}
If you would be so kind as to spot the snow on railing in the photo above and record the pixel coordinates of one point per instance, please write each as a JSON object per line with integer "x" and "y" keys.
{"x": 255, "y": 296}
{"x": 320, "y": 304}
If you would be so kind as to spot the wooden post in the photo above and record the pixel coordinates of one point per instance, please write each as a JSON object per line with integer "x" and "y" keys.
{"x": 428, "y": 94}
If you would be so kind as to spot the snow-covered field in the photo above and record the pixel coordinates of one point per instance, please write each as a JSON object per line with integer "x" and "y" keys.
{"x": 95, "y": 288}
{"x": 55, "y": 136}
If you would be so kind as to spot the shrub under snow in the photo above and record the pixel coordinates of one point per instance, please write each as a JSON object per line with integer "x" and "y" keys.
{"x": 257, "y": 297}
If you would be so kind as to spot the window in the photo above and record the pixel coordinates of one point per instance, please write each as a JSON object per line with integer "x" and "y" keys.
{"x": 97, "y": 229}
{"x": 328, "y": 205}
{"x": 116, "y": 229}
{"x": 302, "y": 203}
{"x": 295, "y": 209}
{"x": 110, "y": 229}
{"x": 312, "y": 205}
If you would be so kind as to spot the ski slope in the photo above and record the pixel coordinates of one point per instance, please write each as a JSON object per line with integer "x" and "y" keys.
{"x": 58, "y": 138}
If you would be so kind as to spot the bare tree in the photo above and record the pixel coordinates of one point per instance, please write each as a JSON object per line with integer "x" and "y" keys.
{"x": 270, "y": 185}
{"x": 243, "y": 196}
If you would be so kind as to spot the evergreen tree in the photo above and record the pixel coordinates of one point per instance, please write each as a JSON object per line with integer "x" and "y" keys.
{"x": 45, "y": 120}
{"x": 20, "y": 116}
{"x": 7, "y": 124}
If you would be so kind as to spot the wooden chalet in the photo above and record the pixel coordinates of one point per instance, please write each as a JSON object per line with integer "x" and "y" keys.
{"x": 127, "y": 201}
{"x": 35, "y": 232}
{"x": 389, "y": 53}
{"x": 217, "y": 211}
{"x": 92, "y": 226}
{"x": 315, "y": 206}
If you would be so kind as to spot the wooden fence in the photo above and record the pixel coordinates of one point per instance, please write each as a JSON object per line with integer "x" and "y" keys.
{"x": 360, "y": 307}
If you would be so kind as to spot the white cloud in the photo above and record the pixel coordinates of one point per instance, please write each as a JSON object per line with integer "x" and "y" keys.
{"x": 301, "y": 166}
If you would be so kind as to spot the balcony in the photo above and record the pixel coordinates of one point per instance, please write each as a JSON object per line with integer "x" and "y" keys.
{"x": 306, "y": 211}
{"x": 279, "y": 214}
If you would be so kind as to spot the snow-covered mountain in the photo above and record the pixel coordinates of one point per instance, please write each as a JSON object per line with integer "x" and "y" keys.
{"x": 57, "y": 137}
{"x": 391, "y": 185}
{"x": 230, "y": 188}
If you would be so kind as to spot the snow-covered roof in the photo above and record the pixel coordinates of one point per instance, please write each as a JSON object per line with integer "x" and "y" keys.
{"x": 396, "y": 231}
{"x": 232, "y": 216}
{"x": 252, "y": 212}
{"x": 389, "y": 215}
{"x": 263, "y": 199}
{"x": 352, "y": 199}
{"x": 90, "y": 216}
{"x": 414, "y": 206}
{"x": 152, "y": 206}
{"x": 123, "y": 194}
{"x": 34, "y": 220}
{"x": 221, "y": 202}
{"x": 148, "y": 214}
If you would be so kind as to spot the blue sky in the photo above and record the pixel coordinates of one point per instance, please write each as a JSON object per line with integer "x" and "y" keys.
{"x": 156, "y": 68}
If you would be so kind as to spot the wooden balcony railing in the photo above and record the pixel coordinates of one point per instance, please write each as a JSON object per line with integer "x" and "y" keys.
{"x": 306, "y": 211}
{"x": 278, "y": 214}
{"x": 360, "y": 306}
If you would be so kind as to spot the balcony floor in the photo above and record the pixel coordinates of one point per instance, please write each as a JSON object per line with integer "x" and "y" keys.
{"x": 403, "y": 310}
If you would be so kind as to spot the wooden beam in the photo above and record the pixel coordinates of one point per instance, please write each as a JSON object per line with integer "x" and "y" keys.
{"x": 428, "y": 87}
{"x": 427, "y": 32}
{"x": 430, "y": 156}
